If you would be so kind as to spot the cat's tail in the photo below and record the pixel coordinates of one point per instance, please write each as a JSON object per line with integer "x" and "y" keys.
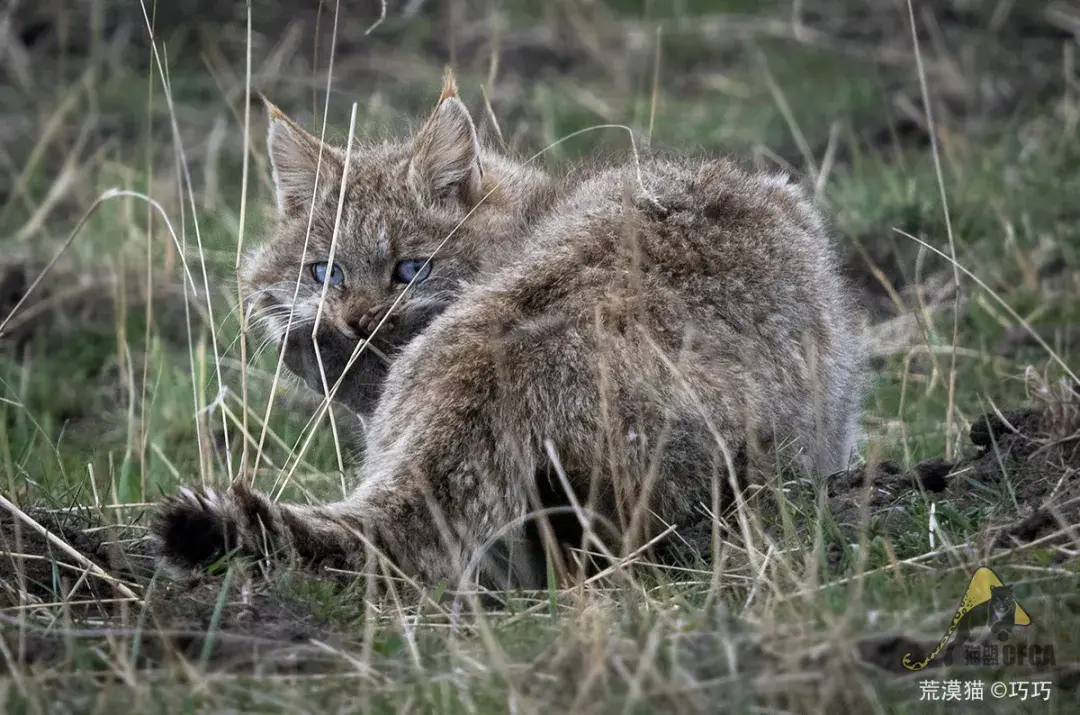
{"x": 193, "y": 529}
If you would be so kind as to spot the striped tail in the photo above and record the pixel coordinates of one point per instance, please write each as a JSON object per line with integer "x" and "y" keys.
{"x": 196, "y": 528}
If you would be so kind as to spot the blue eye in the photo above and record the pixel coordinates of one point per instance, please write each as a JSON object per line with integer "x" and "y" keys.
{"x": 412, "y": 269}
{"x": 318, "y": 272}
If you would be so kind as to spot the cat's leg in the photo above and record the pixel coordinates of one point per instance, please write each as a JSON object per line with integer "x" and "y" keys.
{"x": 194, "y": 528}
{"x": 454, "y": 449}
{"x": 468, "y": 417}
{"x": 447, "y": 469}
{"x": 483, "y": 403}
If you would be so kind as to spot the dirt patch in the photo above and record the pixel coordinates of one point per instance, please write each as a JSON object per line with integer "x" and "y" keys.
{"x": 1031, "y": 453}
{"x": 37, "y": 571}
{"x": 241, "y": 632}
{"x": 878, "y": 268}
{"x": 235, "y": 625}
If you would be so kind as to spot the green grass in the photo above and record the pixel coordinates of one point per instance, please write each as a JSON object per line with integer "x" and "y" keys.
{"x": 122, "y": 401}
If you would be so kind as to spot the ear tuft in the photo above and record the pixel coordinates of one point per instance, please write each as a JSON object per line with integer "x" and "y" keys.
{"x": 446, "y": 151}
{"x": 295, "y": 161}
{"x": 272, "y": 110}
{"x": 449, "y": 86}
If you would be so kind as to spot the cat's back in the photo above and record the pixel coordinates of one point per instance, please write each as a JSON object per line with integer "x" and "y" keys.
{"x": 702, "y": 232}
{"x": 706, "y": 204}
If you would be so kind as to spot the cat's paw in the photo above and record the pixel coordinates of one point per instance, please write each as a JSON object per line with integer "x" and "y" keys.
{"x": 370, "y": 322}
{"x": 192, "y": 528}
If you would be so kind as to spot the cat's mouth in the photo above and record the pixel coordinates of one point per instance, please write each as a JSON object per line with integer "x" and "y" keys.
{"x": 360, "y": 382}
{"x": 354, "y": 336}
{"x": 363, "y": 345}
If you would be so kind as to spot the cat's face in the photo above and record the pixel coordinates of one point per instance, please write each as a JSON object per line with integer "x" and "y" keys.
{"x": 384, "y": 254}
{"x": 1001, "y": 599}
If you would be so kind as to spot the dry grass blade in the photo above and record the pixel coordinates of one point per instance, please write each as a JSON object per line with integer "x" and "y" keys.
{"x": 939, "y": 174}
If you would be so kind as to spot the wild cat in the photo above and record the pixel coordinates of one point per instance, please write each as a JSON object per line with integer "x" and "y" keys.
{"x": 620, "y": 340}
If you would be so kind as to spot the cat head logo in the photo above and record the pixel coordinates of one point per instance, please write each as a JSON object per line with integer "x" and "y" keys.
{"x": 986, "y": 602}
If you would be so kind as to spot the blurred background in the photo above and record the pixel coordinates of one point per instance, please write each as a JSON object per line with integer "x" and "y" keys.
{"x": 121, "y": 373}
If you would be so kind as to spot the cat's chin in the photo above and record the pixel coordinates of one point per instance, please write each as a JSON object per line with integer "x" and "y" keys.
{"x": 359, "y": 390}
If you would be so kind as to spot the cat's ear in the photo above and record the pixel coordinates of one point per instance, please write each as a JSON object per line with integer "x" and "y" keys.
{"x": 294, "y": 160}
{"x": 445, "y": 161}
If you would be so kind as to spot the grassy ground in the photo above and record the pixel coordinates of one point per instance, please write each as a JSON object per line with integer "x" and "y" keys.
{"x": 122, "y": 375}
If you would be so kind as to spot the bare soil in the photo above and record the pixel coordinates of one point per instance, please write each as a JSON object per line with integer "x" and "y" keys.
{"x": 1017, "y": 447}
{"x": 235, "y": 631}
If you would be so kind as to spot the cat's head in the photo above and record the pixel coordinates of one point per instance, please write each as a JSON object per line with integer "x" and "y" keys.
{"x": 1001, "y": 594}
{"x": 417, "y": 219}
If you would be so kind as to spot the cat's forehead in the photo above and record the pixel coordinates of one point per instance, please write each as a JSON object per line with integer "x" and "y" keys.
{"x": 377, "y": 191}
{"x": 379, "y": 210}
{"x": 378, "y": 171}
